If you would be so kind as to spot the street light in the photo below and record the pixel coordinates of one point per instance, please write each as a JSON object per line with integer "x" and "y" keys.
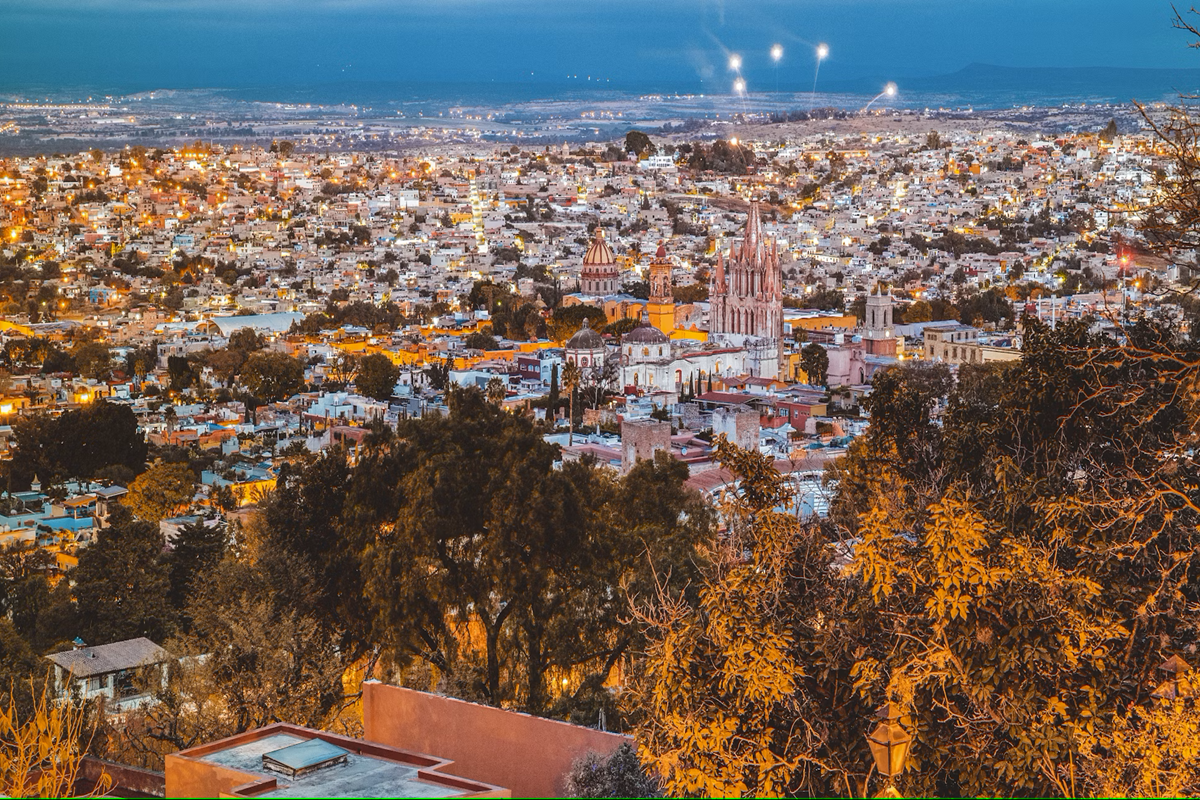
{"x": 889, "y": 745}
{"x": 1178, "y": 684}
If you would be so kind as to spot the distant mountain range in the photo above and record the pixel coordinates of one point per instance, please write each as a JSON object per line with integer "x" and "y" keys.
{"x": 996, "y": 85}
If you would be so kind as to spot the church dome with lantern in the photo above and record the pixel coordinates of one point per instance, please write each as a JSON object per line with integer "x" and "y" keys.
{"x": 599, "y": 275}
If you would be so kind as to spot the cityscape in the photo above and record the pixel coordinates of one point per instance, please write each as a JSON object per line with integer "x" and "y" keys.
{"x": 784, "y": 431}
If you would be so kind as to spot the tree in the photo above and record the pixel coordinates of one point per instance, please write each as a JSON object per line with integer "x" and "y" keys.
{"x": 572, "y": 375}
{"x": 639, "y": 144}
{"x": 245, "y": 340}
{"x": 918, "y": 311}
{"x": 78, "y": 444}
{"x": 552, "y": 396}
{"x": 161, "y": 491}
{"x": 479, "y": 340}
{"x": 620, "y": 774}
{"x": 721, "y": 678}
{"x": 497, "y": 390}
{"x": 815, "y": 363}
{"x": 466, "y": 519}
{"x": 42, "y": 755}
{"x": 122, "y": 583}
{"x": 92, "y": 360}
{"x": 273, "y": 376}
{"x": 567, "y": 320}
{"x": 377, "y": 376}
{"x": 196, "y": 551}
{"x": 1109, "y": 133}
{"x": 180, "y": 372}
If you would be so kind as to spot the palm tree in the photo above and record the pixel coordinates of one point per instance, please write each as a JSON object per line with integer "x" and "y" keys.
{"x": 572, "y": 374}
{"x": 496, "y": 392}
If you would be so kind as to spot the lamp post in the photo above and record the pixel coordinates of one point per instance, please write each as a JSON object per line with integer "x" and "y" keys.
{"x": 1178, "y": 684}
{"x": 890, "y": 744}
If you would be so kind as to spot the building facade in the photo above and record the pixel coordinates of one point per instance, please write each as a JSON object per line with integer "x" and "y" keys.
{"x": 599, "y": 275}
{"x": 746, "y": 297}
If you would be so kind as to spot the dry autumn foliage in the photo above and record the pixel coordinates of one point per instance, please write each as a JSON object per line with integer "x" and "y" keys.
{"x": 42, "y": 755}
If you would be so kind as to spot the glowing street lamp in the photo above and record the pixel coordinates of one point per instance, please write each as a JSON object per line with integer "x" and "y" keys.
{"x": 739, "y": 86}
{"x": 822, "y": 54}
{"x": 776, "y": 52}
{"x": 735, "y": 62}
{"x": 890, "y": 744}
{"x": 888, "y": 91}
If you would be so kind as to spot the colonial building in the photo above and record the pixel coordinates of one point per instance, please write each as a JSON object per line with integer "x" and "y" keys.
{"x": 586, "y": 349}
{"x": 661, "y": 306}
{"x": 746, "y": 298}
{"x": 599, "y": 276}
{"x": 879, "y": 336}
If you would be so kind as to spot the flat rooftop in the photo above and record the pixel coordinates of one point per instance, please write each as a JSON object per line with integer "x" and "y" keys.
{"x": 360, "y": 775}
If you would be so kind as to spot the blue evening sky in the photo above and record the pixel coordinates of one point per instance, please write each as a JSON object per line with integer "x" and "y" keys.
{"x": 143, "y": 44}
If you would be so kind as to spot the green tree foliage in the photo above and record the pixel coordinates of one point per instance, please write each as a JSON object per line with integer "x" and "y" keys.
{"x": 815, "y": 363}
{"x": 92, "y": 360}
{"x": 78, "y": 444}
{"x": 273, "y": 376}
{"x": 121, "y": 584}
{"x": 377, "y": 376}
{"x": 194, "y": 554}
{"x": 639, "y": 144}
{"x": 480, "y": 340}
{"x": 567, "y": 320}
{"x": 462, "y": 524}
{"x": 919, "y": 311}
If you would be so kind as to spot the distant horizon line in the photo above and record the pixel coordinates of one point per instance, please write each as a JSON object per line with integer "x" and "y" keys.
{"x": 834, "y": 85}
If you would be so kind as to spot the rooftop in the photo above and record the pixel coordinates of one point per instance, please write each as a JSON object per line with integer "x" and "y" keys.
{"x": 83, "y": 662}
{"x": 290, "y": 761}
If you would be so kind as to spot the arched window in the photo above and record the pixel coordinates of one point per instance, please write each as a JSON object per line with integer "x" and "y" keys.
{"x": 646, "y": 351}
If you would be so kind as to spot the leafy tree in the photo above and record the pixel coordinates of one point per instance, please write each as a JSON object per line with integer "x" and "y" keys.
{"x": 245, "y": 340}
{"x": 180, "y": 372}
{"x": 161, "y": 491}
{"x": 815, "y": 363}
{"x": 497, "y": 390}
{"x": 567, "y": 320}
{"x": 639, "y": 144}
{"x": 572, "y": 375}
{"x": 465, "y": 518}
{"x": 919, "y": 311}
{"x": 722, "y": 671}
{"x": 92, "y": 360}
{"x": 377, "y": 376}
{"x": 122, "y": 583}
{"x": 196, "y": 551}
{"x": 620, "y": 774}
{"x": 273, "y": 376}
{"x": 78, "y": 444}
{"x": 44, "y": 744}
{"x": 1019, "y": 550}
{"x": 479, "y": 340}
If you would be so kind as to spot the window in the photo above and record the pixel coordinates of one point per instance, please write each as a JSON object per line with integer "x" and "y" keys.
{"x": 96, "y": 684}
